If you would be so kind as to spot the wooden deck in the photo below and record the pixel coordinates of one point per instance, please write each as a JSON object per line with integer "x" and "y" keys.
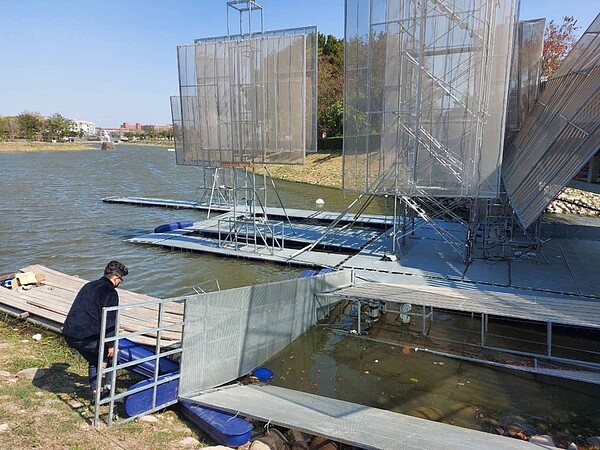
{"x": 48, "y": 304}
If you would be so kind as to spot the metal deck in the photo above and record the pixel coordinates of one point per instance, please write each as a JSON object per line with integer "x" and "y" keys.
{"x": 271, "y": 212}
{"x": 350, "y": 423}
{"x": 557, "y": 310}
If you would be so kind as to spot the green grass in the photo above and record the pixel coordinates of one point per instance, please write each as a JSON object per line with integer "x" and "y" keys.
{"x": 53, "y": 412}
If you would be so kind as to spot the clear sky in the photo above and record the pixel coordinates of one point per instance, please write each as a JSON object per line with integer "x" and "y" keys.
{"x": 114, "y": 61}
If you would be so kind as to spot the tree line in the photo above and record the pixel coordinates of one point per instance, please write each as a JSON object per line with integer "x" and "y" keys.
{"x": 33, "y": 126}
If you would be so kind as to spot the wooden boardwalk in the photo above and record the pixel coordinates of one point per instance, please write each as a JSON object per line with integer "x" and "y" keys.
{"x": 48, "y": 304}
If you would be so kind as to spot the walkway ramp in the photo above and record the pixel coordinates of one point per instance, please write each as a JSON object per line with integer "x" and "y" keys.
{"x": 350, "y": 423}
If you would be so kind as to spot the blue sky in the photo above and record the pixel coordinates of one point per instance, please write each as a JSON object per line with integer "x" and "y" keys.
{"x": 114, "y": 61}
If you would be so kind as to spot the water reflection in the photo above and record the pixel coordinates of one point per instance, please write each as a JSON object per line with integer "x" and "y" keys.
{"x": 424, "y": 385}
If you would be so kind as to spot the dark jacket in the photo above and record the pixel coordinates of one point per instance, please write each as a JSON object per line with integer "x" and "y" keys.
{"x": 85, "y": 316}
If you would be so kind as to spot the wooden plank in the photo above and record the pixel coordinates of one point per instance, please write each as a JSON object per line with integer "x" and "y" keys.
{"x": 52, "y": 300}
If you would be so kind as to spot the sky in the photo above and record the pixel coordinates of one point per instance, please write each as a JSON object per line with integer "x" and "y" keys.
{"x": 115, "y": 61}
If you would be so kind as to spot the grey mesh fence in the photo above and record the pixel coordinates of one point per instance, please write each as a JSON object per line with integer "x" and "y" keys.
{"x": 524, "y": 76}
{"x": 561, "y": 135}
{"x": 229, "y": 333}
{"x": 425, "y": 95}
{"x": 177, "y": 122}
{"x": 248, "y": 99}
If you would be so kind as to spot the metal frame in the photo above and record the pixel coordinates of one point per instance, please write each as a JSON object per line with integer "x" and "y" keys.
{"x": 424, "y": 96}
{"x": 539, "y": 360}
{"x": 161, "y": 350}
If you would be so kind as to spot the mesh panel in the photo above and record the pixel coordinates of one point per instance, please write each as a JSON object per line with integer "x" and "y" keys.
{"x": 562, "y": 133}
{"x": 524, "y": 76}
{"x": 248, "y": 99}
{"x": 229, "y": 333}
{"x": 424, "y": 98}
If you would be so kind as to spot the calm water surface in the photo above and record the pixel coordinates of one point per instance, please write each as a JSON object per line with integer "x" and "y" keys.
{"x": 51, "y": 213}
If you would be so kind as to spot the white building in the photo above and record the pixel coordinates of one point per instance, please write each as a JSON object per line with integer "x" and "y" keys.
{"x": 87, "y": 128}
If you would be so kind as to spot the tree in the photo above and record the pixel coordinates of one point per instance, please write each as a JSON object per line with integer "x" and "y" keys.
{"x": 30, "y": 124}
{"x": 558, "y": 42}
{"x": 8, "y": 127}
{"x": 57, "y": 127}
{"x": 331, "y": 85}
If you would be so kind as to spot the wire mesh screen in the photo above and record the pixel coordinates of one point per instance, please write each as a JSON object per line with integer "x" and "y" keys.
{"x": 425, "y": 95}
{"x": 562, "y": 133}
{"x": 229, "y": 333}
{"x": 524, "y": 75}
{"x": 248, "y": 99}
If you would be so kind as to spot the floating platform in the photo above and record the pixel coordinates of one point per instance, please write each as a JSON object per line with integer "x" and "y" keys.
{"x": 297, "y": 243}
{"x": 48, "y": 304}
{"x": 294, "y": 214}
{"x": 349, "y": 423}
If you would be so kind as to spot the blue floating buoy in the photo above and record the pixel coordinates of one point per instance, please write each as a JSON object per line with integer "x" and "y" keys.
{"x": 263, "y": 374}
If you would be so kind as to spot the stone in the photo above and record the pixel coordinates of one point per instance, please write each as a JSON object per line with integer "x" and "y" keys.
{"x": 5, "y": 374}
{"x": 572, "y": 446}
{"x": 32, "y": 373}
{"x": 4, "y": 345}
{"x": 542, "y": 439}
{"x": 299, "y": 436}
{"x": 148, "y": 419}
{"x": 4, "y": 427}
{"x": 188, "y": 441}
{"x": 321, "y": 443}
{"x": 259, "y": 445}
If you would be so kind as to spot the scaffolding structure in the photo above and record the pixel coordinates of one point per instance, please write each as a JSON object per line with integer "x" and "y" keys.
{"x": 425, "y": 99}
{"x": 561, "y": 135}
{"x": 425, "y": 96}
{"x": 247, "y": 98}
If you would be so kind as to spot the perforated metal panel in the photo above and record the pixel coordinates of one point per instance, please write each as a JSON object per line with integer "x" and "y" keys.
{"x": 425, "y": 95}
{"x": 524, "y": 76}
{"x": 562, "y": 133}
{"x": 248, "y": 98}
{"x": 229, "y": 333}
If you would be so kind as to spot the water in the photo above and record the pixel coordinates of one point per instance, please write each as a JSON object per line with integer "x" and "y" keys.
{"x": 421, "y": 384}
{"x": 51, "y": 213}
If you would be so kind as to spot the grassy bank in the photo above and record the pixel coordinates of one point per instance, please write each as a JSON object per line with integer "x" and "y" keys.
{"x": 34, "y": 146}
{"x": 322, "y": 169}
{"x": 53, "y": 412}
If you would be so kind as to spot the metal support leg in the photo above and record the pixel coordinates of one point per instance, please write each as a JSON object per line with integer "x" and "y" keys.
{"x": 549, "y": 338}
{"x": 483, "y": 328}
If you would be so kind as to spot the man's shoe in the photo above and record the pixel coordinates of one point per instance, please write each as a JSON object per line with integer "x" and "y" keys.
{"x": 103, "y": 394}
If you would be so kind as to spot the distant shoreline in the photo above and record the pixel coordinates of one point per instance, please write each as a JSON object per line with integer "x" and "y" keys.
{"x": 21, "y": 146}
{"x": 35, "y": 146}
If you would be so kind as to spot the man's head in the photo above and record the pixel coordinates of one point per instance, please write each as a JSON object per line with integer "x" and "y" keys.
{"x": 115, "y": 271}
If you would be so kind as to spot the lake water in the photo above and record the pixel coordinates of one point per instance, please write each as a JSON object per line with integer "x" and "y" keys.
{"x": 51, "y": 213}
